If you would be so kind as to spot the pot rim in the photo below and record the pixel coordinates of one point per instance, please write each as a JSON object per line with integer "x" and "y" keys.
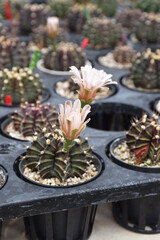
{"x": 121, "y": 163}
{"x": 5, "y": 173}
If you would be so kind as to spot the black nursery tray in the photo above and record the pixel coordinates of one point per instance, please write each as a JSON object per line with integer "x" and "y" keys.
{"x": 19, "y": 198}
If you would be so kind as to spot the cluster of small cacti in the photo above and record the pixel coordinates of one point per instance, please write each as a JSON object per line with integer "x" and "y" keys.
{"x": 33, "y": 15}
{"x": 13, "y": 53}
{"x": 102, "y": 33}
{"x": 145, "y": 70}
{"x": 78, "y": 15}
{"x": 108, "y": 7}
{"x": 21, "y": 84}
{"x": 15, "y": 5}
{"x": 60, "y": 7}
{"x": 129, "y": 18}
{"x": 143, "y": 138}
{"x": 148, "y": 5}
{"x": 46, "y": 155}
{"x": 32, "y": 118}
{"x": 123, "y": 54}
{"x": 148, "y": 28}
{"x": 39, "y": 36}
{"x": 64, "y": 56}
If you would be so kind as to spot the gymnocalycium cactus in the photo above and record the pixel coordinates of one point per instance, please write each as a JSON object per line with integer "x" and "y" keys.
{"x": 60, "y": 7}
{"x": 148, "y": 5}
{"x": 123, "y": 54}
{"x": 102, "y": 33}
{"x": 31, "y": 118}
{"x": 143, "y": 139}
{"x": 21, "y": 84}
{"x": 62, "y": 153}
{"x": 145, "y": 70}
{"x": 65, "y": 55}
{"x": 148, "y": 28}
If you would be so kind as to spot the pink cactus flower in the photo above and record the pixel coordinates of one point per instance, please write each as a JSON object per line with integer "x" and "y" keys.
{"x": 72, "y": 119}
{"x": 90, "y": 80}
{"x": 52, "y": 26}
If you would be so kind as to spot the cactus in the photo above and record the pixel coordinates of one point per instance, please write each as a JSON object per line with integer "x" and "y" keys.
{"x": 60, "y": 7}
{"x": 16, "y": 5}
{"x": 108, "y": 7}
{"x": 13, "y": 53}
{"x": 31, "y": 118}
{"x": 148, "y": 28}
{"x": 102, "y": 33}
{"x": 123, "y": 54}
{"x": 33, "y": 15}
{"x": 77, "y": 16}
{"x": 66, "y": 55}
{"x": 47, "y": 156}
{"x": 21, "y": 84}
{"x": 40, "y": 34}
{"x": 129, "y": 18}
{"x": 148, "y": 5}
{"x": 143, "y": 139}
{"x": 145, "y": 70}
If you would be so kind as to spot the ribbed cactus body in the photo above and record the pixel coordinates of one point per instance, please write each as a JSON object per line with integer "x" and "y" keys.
{"x": 148, "y": 5}
{"x": 13, "y": 53}
{"x": 66, "y": 55}
{"x": 77, "y": 16}
{"x": 108, "y": 7}
{"x": 145, "y": 70}
{"x": 102, "y": 33}
{"x": 148, "y": 28}
{"x": 60, "y": 7}
{"x": 33, "y": 15}
{"x": 31, "y": 118}
{"x": 129, "y": 18}
{"x": 21, "y": 84}
{"x": 46, "y": 155}
{"x": 123, "y": 54}
{"x": 143, "y": 138}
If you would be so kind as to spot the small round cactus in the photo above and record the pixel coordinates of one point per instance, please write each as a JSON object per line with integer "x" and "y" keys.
{"x": 21, "y": 84}
{"x": 148, "y": 28}
{"x": 13, "y": 53}
{"x": 123, "y": 54}
{"x": 102, "y": 33}
{"x": 145, "y": 70}
{"x": 129, "y": 18}
{"x": 65, "y": 55}
{"x": 143, "y": 138}
{"x": 46, "y": 156}
{"x": 148, "y": 5}
{"x": 40, "y": 34}
{"x": 108, "y": 7}
{"x": 33, "y": 15}
{"x": 31, "y": 118}
{"x": 77, "y": 16}
{"x": 60, "y": 7}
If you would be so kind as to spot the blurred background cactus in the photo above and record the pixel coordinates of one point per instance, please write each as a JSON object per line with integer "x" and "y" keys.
{"x": 60, "y": 7}
{"x": 148, "y": 5}
{"x": 21, "y": 84}
{"x": 16, "y": 5}
{"x": 148, "y": 28}
{"x": 108, "y": 7}
{"x": 102, "y": 32}
{"x": 145, "y": 70}
{"x": 123, "y": 54}
{"x": 64, "y": 56}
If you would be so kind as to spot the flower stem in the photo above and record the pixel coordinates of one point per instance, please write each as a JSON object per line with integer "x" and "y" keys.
{"x": 67, "y": 145}
{"x": 54, "y": 43}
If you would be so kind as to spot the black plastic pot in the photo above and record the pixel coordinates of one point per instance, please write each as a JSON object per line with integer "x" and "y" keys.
{"x": 113, "y": 116}
{"x": 0, "y": 229}
{"x": 73, "y": 224}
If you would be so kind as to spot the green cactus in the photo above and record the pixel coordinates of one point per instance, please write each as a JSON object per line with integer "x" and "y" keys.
{"x": 47, "y": 156}
{"x": 32, "y": 118}
{"x": 143, "y": 138}
{"x": 16, "y": 5}
{"x": 80, "y": 14}
{"x": 108, "y": 7}
{"x": 148, "y": 28}
{"x": 123, "y": 54}
{"x": 129, "y": 18}
{"x": 33, "y": 15}
{"x": 13, "y": 53}
{"x": 148, "y": 5}
{"x": 102, "y": 33}
{"x": 145, "y": 70}
{"x": 60, "y": 7}
{"x": 21, "y": 84}
{"x": 66, "y": 55}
